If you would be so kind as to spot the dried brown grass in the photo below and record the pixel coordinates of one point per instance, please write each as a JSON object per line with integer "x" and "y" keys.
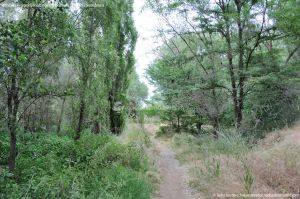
{"x": 274, "y": 163}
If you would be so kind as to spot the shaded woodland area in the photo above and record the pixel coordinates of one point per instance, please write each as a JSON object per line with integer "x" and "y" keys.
{"x": 229, "y": 64}
{"x": 66, "y": 74}
{"x": 76, "y": 120}
{"x": 66, "y": 70}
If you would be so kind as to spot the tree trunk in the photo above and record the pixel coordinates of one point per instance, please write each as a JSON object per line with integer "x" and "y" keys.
{"x": 234, "y": 93}
{"x": 115, "y": 123}
{"x": 178, "y": 123}
{"x": 216, "y": 127}
{"x": 96, "y": 128}
{"x": 13, "y": 148}
{"x": 80, "y": 120}
{"x": 199, "y": 126}
{"x": 61, "y": 115}
{"x": 12, "y": 110}
{"x": 114, "y": 116}
{"x": 84, "y": 83}
{"x": 241, "y": 74}
{"x": 241, "y": 103}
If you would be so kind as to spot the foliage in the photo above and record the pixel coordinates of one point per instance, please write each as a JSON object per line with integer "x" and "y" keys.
{"x": 137, "y": 91}
{"x": 66, "y": 69}
{"x": 137, "y": 94}
{"x": 229, "y": 143}
{"x": 228, "y": 63}
{"x": 248, "y": 180}
{"x": 52, "y": 166}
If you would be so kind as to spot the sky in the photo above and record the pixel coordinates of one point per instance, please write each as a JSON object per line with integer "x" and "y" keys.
{"x": 146, "y": 22}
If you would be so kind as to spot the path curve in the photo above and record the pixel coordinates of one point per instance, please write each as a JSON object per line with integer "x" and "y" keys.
{"x": 174, "y": 176}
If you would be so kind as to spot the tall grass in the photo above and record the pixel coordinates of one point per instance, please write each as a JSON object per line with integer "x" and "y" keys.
{"x": 205, "y": 145}
{"x": 233, "y": 165}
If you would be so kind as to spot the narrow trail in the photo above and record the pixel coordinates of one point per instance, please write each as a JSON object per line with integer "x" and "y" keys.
{"x": 174, "y": 184}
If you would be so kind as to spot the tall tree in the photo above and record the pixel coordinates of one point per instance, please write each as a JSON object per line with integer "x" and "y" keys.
{"x": 125, "y": 44}
{"x": 237, "y": 27}
{"x": 25, "y": 60}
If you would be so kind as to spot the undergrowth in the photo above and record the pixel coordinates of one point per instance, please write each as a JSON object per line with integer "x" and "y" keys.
{"x": 96, "y": 166}
{"x": 232, "y": 165}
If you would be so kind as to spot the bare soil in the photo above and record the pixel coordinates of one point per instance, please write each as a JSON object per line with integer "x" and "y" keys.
{"x": 174, "y": 177}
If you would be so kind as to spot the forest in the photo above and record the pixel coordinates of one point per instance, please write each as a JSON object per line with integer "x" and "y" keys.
{"x": 78, "y": 121}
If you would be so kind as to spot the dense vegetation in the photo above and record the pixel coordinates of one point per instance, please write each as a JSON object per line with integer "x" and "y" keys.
{"x": 95, "y": 166}
{"x": 67, "y": 81}
{"x": 66, "y": 67}
{"x": 227, "y": 73}
{"x": 228, "y": 64}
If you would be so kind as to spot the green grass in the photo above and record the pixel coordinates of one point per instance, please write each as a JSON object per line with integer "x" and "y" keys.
{"x": 205, "y": 145}
{"x": 52, "y": 166}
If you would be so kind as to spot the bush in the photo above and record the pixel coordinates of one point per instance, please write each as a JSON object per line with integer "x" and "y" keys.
{"x": 274, "y": 105}
{"x": 4, "y": 147}
{"x": 165, "y": 131}
{"x": 52, "y": 166}
{"x": 229, "y": 143}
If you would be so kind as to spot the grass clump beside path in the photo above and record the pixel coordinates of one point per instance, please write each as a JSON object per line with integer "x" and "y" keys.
{"x": 231, "y": 165}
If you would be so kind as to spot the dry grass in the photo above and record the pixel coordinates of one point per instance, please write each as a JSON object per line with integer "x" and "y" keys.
{"x": 273, "y": 166}
{"x": 276, "y": 161}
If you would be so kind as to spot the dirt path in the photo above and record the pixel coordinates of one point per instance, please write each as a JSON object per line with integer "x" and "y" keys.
{"x": 174, "y": 176}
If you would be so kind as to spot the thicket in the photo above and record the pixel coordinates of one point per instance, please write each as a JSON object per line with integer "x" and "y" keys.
{"x": 56, "y": 166}
{"x": 66, "y": 67}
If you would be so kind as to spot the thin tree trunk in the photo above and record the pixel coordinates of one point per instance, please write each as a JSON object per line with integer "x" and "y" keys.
{"x": 12, "y": 148}
{"x": 231, "y": 67}
{"x": 61, "y": 115}
{"x": 96, "y": 128}
{"x": 232, "y": 75}
{"x": 13, "y": 105}
{"x": 84, "y": 81}
{"x": 199, "y": 126}
{"x": 178, "y": 123}
{"x": 80, "y": 120}
{"x": 216, "y": 127}
{"x": 239, "y": 117}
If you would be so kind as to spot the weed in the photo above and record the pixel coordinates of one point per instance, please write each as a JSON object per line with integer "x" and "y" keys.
{"x": 248, "y": 179}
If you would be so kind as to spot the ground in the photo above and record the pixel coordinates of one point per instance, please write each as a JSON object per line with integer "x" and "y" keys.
{"x": 273, "y": 163}
{"x": 174, "y": 177}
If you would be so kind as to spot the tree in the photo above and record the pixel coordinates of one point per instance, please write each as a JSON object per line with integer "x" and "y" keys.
{"x": 188, "y": 74}
{"x": 231, "y": 23}
{"x": 137, "y": 94}
{"x": 126, "y": 36}
{"x": 217, "y": 35}
{"x": 25, "y": 61}
{"x": 103, "y": 55}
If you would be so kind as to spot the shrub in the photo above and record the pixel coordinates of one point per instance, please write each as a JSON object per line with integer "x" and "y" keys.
{"x": 4, "y": 148}
{"x": 96, "y": 166}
